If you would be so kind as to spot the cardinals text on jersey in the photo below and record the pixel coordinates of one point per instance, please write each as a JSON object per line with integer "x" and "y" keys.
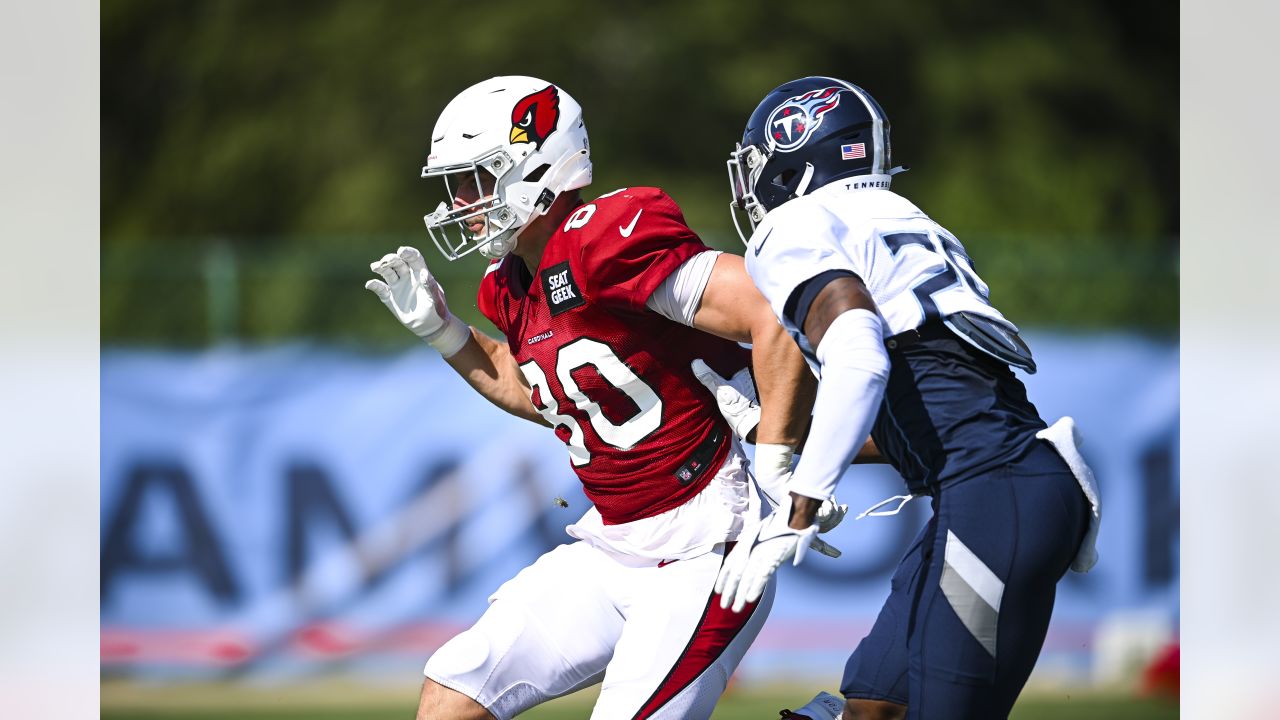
{"x": 611, "y": 376}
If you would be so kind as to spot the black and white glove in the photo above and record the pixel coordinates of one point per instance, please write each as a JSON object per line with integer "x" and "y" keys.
{"x": 412, "y": 294}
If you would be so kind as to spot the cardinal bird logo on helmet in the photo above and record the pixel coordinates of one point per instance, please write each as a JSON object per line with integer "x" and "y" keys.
{"x": 534, "y": 117}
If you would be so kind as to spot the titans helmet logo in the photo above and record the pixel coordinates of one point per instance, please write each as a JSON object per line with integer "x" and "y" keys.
{"x": 535, "y": 116}
{"x": 792, "y": 123}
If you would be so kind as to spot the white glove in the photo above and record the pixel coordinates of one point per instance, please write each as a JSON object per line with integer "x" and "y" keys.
{"x": 772, "y": 470}
{"x": 417, "y": 300}
{"x": 829, "y": 514}
{"x": 735, "y": 397}
{"x": 759, "y": 553}
{"x": 740, "y": 406}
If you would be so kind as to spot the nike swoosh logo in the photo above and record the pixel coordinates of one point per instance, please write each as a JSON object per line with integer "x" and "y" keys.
{"x": 626, "y": 231}
{"x": 763, "y": 240}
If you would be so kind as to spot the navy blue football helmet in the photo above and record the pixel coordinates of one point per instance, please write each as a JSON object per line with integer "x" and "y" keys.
{"x": 803, "y": 135}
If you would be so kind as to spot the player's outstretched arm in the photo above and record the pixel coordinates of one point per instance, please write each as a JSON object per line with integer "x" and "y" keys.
{"x": 869, "y": 454}
{"x": 733, "y": 308}
{"x": 486, "y": 364}
{"x": 413, "y": 295}
{"x": 844, "y": 329}
{"x": 736, "y": 398}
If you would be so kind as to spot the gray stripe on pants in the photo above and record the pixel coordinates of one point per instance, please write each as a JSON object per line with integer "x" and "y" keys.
{"x": 979, "y": 617}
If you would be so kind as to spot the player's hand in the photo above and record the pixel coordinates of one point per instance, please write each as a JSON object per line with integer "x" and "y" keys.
{"x": 736, "y": 397}
{"x": 829, "y": 515}
{"x": 412, "y": 294}
{"x": 758, "y": 555}
{"x": 772, "y": 469}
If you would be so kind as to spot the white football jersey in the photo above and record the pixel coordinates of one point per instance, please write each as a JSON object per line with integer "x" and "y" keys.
{"x": 915, "y": 270}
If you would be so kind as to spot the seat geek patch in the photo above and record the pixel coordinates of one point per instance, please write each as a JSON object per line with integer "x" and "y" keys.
{"x": 561, "y": 291}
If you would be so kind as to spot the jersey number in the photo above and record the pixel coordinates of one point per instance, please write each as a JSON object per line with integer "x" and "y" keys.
{"x": 579, "y": 354}
{"x": 953, "y": 272}
{"x": 582, "y": 215}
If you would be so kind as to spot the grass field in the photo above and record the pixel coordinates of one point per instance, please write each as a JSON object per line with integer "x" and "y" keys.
{"x": 132, "y": 702}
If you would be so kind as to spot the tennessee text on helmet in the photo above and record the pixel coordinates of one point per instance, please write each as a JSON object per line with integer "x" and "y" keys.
{"x": 806, "y": 134}
{"x": 519, "y": 142}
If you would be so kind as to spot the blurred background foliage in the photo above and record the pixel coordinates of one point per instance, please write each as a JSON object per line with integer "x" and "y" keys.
{"x": 256, "y": 156}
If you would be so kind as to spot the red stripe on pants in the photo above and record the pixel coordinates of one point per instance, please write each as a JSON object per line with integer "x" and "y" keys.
{"x": 717, "y": 628}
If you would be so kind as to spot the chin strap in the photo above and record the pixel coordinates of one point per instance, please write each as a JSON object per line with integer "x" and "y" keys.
{"x": 564, "y": 176}
{"x": 545, "y": 200}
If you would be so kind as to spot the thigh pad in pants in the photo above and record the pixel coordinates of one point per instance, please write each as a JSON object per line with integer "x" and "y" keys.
{"x": 548, "y": 632}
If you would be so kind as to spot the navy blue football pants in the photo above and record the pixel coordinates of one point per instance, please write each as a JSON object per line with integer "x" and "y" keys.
{"x": 970, "y": 602}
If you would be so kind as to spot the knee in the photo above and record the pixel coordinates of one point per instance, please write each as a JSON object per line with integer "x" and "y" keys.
{"x": 859, "y": 709}
{"x": 441, "y": 703}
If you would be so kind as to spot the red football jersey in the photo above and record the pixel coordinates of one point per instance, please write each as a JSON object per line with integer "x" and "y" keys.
{"x": 611, "y": 375}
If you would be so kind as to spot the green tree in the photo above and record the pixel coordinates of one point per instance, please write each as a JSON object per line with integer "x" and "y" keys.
{"x": 256, "y": 156}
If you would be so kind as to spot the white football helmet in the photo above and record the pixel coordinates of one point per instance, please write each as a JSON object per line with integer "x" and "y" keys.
{"x": 523, "y": 142}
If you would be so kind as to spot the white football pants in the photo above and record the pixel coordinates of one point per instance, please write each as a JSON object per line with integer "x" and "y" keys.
{"x": 655, "y": 635}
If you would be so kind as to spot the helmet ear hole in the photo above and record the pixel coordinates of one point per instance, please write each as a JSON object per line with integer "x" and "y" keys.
{"x": 537, "y": 173}
{"x": 783, "y": 179}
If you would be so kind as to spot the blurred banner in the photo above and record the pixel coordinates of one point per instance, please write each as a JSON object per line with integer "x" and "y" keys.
{"x": 303, "y": 509}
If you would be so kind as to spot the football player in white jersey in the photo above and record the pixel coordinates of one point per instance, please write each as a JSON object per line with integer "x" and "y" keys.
{"x": 891, "y": 315}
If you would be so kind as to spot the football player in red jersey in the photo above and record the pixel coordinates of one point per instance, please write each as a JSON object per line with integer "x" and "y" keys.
{"x": 605, "y": 306}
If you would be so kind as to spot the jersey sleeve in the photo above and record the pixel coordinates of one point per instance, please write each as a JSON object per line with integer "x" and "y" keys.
{"x": 487, "y": 297}
{"x": 639, "y": 239}
{"x": 792, "y": 248}
{"x": 679, "y": 296}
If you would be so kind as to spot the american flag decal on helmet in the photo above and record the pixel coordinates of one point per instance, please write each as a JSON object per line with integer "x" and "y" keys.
{"x": 853, "y": 152}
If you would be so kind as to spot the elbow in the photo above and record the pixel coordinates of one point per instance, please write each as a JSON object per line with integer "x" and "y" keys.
{"x": 765, "y": 330}
{"x": 855, "y": 341}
